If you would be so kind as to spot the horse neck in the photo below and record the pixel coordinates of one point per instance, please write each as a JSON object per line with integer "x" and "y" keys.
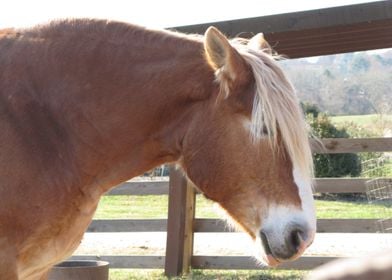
{"x": 135, "y": 105}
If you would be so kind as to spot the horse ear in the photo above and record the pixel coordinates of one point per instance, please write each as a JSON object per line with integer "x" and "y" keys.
{"x": 258, "y": 42}
{"x": 221, "y": 55}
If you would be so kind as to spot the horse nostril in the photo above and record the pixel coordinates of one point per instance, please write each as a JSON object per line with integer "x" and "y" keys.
{"x": 296, "y": 239}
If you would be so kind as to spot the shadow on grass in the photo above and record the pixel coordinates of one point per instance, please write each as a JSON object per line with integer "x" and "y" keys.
{"x": 128, "y": 274}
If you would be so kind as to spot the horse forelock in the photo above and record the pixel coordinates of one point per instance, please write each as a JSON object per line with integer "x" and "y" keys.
{"x": 277, "y": 111}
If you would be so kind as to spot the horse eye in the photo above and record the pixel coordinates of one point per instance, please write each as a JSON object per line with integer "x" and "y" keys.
{"x": 265, "y": 130}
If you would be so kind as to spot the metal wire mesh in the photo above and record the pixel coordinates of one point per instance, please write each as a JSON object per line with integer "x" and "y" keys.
{"x": 375, "y": 167}
{"x": 379, "y": 191}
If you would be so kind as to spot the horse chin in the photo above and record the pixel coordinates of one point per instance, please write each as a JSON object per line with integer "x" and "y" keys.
{"x": 267, "y": 260}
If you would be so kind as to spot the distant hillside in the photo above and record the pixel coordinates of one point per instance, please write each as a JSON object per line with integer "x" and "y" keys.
{"x": 345, "y": 84}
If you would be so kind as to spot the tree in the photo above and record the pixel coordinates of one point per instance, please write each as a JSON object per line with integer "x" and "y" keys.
{"x": 360, "y": 64}
{"x": 345, "y": 84}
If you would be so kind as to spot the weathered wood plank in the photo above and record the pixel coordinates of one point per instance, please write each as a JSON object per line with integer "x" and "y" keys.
{"x": 128, "y": 225}
{"x": 347, "y": 225}
{"x": 316, "y": 32}
{"x": 340, "y": 185}
{"x": 322, "y": 185}
{"x": 346, "y": 145}
{"x": 343, "y": 185}
{"x": 218, "y": 225}
{"x": 177, "y": 239}
{"x": 296, "y": 21}
{"x": 211, "y": 225}
{"x": 188, "y": 231}
{"x": 323, "y": 225}
{"x": 331, "y": 40}
{"x": 141, "y": 188}
{"x": 244, "y": 262}
{"x": 141, "y": 262}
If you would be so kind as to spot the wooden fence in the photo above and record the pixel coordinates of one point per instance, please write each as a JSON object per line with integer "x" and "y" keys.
{"x": 335, "y": 30}
{"x": 327, "y": 31}
{"x": 181, "y": 224}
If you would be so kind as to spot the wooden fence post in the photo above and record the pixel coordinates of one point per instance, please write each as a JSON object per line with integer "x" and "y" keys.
{"x": 179, "y": 241}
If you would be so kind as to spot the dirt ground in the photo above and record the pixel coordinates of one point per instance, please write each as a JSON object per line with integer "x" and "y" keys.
{"x": 233, "y": 244}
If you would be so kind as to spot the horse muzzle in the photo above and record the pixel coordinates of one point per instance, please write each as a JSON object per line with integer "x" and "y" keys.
{"x": 289, "y": 246}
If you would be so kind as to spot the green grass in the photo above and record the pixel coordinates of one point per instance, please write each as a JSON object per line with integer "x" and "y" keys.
{"x": 387, "y": 169}
{"x": 364, "y": 120}
{"x": 155, "y": 206}
{"x": 351, "y": 210}
{"x": 145, "y": 207}
{"x": 362, "y": 126}
{"x": 132, "y": 207}
{"x": 127, "y": 274}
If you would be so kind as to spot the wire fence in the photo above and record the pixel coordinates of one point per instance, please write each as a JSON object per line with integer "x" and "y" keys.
{"x": 377, "y": 167}
{"x": 160, "y": 171}
{"x": 379, "y": 191}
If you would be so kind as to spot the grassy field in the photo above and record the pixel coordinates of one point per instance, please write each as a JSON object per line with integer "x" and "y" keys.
{"x": 365, "y": 125}
{"x": 134, "y": 207}
{"x": 364, "y": 120}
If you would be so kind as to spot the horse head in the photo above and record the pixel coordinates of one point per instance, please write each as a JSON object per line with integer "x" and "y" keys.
{"x": 247, "y": 149}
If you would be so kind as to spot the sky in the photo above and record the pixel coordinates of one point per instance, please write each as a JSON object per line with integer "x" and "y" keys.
{"x": 156, "y": 14}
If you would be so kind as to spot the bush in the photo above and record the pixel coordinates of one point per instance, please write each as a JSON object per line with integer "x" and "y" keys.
{"x": 332, "y": 165}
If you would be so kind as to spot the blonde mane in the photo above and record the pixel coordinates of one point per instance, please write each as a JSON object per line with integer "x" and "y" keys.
{"x": 276, "y": 109}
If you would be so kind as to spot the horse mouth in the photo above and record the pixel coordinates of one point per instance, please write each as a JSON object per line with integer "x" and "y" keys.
{"x": 265, "y": 243}
{"x": 270, "y": 258}
{"x": 272, "y": 261}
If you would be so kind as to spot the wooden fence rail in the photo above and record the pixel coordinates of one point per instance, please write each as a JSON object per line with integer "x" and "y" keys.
{"x": 322, "y": 185}
{"x": 217, "y": 225}
{"x": 359, "y": 145}
{"x": 318, "y": 32}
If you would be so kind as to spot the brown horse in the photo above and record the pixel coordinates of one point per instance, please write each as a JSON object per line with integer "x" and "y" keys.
{"x": 86, "y": 104}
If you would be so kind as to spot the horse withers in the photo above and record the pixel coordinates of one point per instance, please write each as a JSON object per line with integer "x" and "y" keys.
{"x": 88, "y": 104}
